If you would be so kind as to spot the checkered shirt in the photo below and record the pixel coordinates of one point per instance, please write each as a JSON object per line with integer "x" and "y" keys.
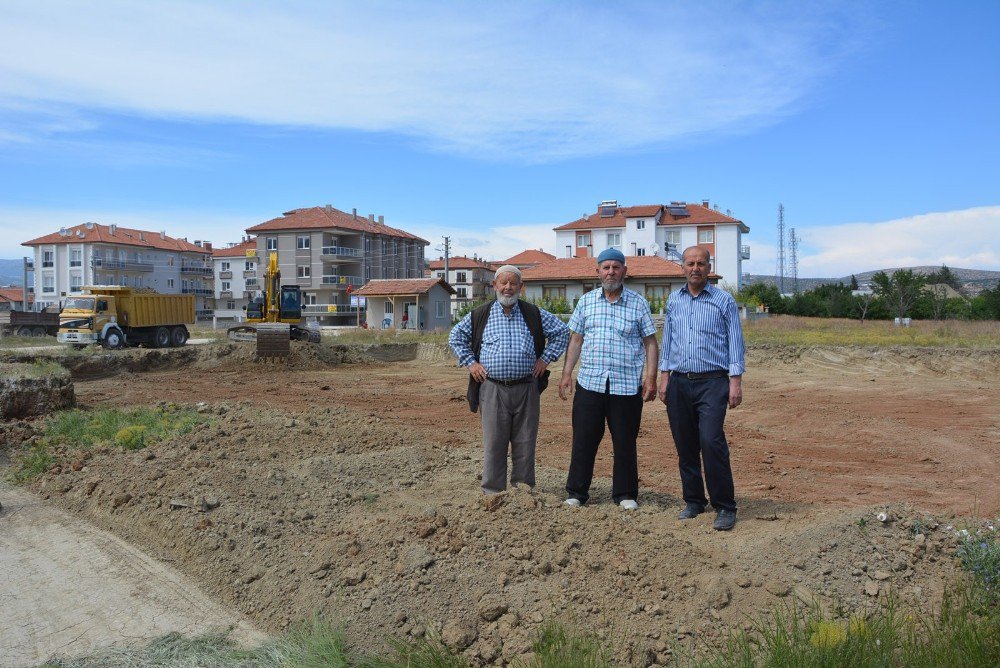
{"x": 612, "y": 340}
{"x": 508, "y": 349}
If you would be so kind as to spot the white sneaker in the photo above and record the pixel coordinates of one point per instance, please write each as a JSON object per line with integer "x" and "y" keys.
{"x": 572, "y": 503}
{"x": 629, "y": 504}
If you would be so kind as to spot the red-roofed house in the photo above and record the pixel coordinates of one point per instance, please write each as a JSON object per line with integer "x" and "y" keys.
{"x": 652, "y": 276}
{"x": 236, "y": 282}
{"x": 660, "y": 229}
{"x": 527, "y": 259}
{"x": 425, "y": 301}
{"x": 330, "y": 254}
{"x": 471, "y": 277}
{"x": 12, "y": 299}
{"x": 95, "y": 254}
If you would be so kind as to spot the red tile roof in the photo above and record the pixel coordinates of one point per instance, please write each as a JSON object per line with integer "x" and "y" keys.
{"x": 577, "y": 268}
{"x": 528, "y": 257}
{"x": 237, "y": 250}
{"x": 326, "y": 217}
{"x": 14, "y": 295}
{"x": 461, "y": 262}
{"x": 98, "y": 233}
{"x": 401, "y": 287}
{"x": 700, "y": 215}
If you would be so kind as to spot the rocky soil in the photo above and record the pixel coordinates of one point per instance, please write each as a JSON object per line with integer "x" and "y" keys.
{"x": 347, "y": 486}
{"x": 26, "y": 391}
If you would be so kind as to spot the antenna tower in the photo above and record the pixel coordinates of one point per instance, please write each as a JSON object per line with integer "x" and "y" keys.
{"x": 780, "y": 269}
{"x": 793, "y": 248}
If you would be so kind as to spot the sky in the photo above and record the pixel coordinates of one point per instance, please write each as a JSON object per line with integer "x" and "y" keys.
{"x": 875, "y": 124}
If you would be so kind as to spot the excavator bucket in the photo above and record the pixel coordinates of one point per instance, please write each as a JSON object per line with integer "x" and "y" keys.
{"x": 273, "y": 340}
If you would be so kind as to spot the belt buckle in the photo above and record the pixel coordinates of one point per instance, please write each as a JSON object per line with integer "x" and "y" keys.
{"x": 691, "y": 375}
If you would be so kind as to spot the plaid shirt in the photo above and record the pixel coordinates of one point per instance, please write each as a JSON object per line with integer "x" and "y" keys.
{"x": 508, "y": 349}
{"x": 703, "y": 333}
{"x": 612, "y": 340}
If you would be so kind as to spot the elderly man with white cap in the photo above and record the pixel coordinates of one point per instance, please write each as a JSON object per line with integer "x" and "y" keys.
{"x": 613, "y": 337}
{"x": 507, "y": 345}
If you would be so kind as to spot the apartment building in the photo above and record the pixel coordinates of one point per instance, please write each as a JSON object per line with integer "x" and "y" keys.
{"x": 236, "y": 281}
{"x": 471, "y": 277}
{"x": 330, "y": 253}
{"x": 95, "y": 254}
{"x": 663, "y": 230}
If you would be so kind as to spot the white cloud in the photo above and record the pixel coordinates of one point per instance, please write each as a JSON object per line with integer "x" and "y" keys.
{"x": 531, "y": 81}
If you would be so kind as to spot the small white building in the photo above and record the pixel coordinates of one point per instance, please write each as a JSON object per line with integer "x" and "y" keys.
{"x": 420, "y": 304}
{"x": 236, "y": 282}
{"x": 471, "y": 278}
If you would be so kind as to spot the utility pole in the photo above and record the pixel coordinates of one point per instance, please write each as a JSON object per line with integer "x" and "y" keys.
{"x": 781, "y": 249}
{"x": 447, "y": 251}
{"x": 793, "y": 243}
{"x": 24, "y": 291}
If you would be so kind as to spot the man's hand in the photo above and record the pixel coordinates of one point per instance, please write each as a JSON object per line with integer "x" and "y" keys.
{"x": 539, "y": 369}
{"x": 649, "y": 389}
{"x": 478, "y": 372}
{"x": 662, "y": 386}
{"x": 565, "y": 386}
{"x": 735, "y": 391}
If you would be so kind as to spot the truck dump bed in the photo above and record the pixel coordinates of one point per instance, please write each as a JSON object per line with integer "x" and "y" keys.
{"x": 152, "y": 310}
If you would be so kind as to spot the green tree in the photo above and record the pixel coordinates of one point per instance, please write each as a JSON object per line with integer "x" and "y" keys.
{"x": 854, "y": 282}
{"x": 945, "y": 276}
{"x": 899, "y": 291}
{"x": 766, "y": 294}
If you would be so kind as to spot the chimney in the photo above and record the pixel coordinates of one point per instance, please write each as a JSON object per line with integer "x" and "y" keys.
{"x": 354, "y": 213}
{"x": 113, "y": 228}
{"x": 569, "y": 251}
{"x": 381, "y": 220}
{"x": 142, "y": 237}
{"x": 163, "y": 235}
{"x": 704, "y": 203}
{"x": 329, "y": 208}
{"x": 208, "y": 245}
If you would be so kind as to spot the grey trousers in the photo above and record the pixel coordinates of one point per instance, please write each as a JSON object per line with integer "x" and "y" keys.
{"x": 510, "y": 417}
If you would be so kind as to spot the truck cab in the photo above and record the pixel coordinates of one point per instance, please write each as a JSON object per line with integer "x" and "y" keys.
{"x": 86, "y": 319}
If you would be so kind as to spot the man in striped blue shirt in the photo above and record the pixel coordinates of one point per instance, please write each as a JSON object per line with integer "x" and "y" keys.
{"x": 703, "y": 363}
{"x": 508, "y": 368}
{"x": 613, "y": 337}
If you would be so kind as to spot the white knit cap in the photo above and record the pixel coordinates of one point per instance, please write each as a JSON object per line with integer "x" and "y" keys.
{"x": 508, "y": 269}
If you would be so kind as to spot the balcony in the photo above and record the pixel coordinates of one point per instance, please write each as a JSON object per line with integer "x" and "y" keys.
{"x": 249, "y": 294}
{"x": 332, "y": 309}
{"x": 204, "y": 313}
{"x": 343, "y": 281}
{"x": 120, "y": 265}
{"x": 340, "y": 252}
{"x": 745, "y": 252}
{"x": 250, "y": 273}
{"x": 204, "y": 292}
{"x": 199, "y": 269}
{"x": 225, "y": 274}
{"x": 225, "y": 294}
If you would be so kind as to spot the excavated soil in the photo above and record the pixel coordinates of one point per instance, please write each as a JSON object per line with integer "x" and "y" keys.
{"x": 338, "y": 483}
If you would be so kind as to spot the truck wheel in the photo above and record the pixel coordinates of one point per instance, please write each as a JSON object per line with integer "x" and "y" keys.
{"x": 178, "y": 336}
{"x": 161, "y": 337}
{"x": 38, "y": 332}
{"x": 114, "y": 339}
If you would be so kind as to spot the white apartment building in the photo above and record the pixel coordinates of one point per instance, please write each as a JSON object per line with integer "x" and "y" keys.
{"x": 471, "y": 278}
{"x": 664, "y": 230}
{"x": 329, "y": 254}
{"x": 236, "y": 281}
{"x": 95, "y": 254}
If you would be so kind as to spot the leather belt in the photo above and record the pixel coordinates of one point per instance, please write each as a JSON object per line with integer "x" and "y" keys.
{"x": 690, "y": 375}
{"x": 508, "y": 383}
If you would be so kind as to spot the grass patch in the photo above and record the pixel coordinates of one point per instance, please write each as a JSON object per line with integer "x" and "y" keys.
{"x": 37, "y": 369}
{"x": 129, "y": 429}
{"x": 26, "y": 341}
{"x": 383, "y": 336}
{"x": 798, "y": 331}
{"x": 980, "y": 555}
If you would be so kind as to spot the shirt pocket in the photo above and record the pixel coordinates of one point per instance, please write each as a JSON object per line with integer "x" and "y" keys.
{"x": 491, "y": 342}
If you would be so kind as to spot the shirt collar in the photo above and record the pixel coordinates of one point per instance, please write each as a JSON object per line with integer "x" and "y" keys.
{"x": 708, "y": 289}
{"x": 497, "y": 306}
{"x": 621, "y": 298}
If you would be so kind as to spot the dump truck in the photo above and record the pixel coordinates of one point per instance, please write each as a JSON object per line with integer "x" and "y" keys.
{"x": 116, "y": 316}
{"x": 275, "y": 318}
{"x": 29, "y": 323}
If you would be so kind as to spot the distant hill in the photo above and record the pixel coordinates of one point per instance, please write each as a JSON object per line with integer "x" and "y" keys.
{"x": 11, "y": 272}
{"x": 973, "y": 280}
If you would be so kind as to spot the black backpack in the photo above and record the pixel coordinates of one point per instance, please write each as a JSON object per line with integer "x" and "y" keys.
{"x": 532, "y": 318}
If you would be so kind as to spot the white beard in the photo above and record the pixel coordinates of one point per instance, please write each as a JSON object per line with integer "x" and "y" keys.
{"x": 505, "y": 300}
{"x": 612, "y": 285}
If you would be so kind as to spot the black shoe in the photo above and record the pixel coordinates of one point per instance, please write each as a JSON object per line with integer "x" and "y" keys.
{"x": 691, "y": 510}
{"x": 725, "y": 520}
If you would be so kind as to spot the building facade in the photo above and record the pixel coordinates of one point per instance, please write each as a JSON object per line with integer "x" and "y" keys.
{"x": 236, "y": 282}
{"x": 330, "y": 254}
{"x": 420, "y": 304}
{"x": 663, "y": 230}
{"x": 471, "y": 277}
{"x": 95, "y": 254}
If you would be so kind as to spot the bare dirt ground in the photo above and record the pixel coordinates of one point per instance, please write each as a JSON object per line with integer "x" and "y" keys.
{"x": 352, "y": 489}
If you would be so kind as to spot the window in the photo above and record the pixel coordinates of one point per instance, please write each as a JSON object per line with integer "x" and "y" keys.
{"x": 75, "y": 282}
{"x": 460, "y": 277}
{"x": 170, "y": 260}
{"x": 227, "y": 286}
{"x": 657, "y": 291}
{"x": 640, "y": 251}
{"x": 76, "y": 258}
{"x": 706, "y": 236}
{"x": 582, "y": 240}
{"x": 248, "y": 265}
{"x": 230, "y": 305}
{"x": 614, "y": 239}
{"x": 439, "y": 309}
{"x": 224, "y": 266}
{"x": 302, "y": 243}
{"x": 388, "y": 307}
{"x": 48, "y": 258}
{"x": 272, "y": 243}
{"x": 550, "y": 292}
{"x": 640, "y": 224}
{"x": 309, "y": 299}
{"x": 302, "y": 271}
{"x": 461, "y": 292}
{"x": 673, "y": 237}
{"x": 440, "y": 274}
{"x": 251, "y": 284}
{"x": 170, "y": 283}
{"x": 137, "y": 282}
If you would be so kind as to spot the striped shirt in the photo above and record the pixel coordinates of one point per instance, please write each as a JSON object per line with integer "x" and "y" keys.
{"x": 612, "y": 340}
{"x": 703, "y": 333}
{"x": 508, "y": 349}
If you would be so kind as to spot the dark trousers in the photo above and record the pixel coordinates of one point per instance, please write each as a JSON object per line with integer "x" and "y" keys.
{"x": 622, "y": 413}
{"x": 697, "y": 411}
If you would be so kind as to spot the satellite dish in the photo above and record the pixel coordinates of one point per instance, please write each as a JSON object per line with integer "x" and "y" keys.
{"x": 655, "y": 247}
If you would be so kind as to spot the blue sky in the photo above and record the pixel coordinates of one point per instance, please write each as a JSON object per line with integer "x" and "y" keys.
{"x": 874, "y": 123}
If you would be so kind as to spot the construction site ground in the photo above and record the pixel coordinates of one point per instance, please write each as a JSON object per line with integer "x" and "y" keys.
{"x": 344, "y": 483}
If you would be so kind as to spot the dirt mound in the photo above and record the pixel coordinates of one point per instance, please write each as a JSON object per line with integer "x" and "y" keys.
{"x": 342, "y": 511}
{"x": 866, "y": 360}
{"x": 27, "y": 390}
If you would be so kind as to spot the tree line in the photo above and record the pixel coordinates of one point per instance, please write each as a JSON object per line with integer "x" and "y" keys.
{"x": 902, "y": 294}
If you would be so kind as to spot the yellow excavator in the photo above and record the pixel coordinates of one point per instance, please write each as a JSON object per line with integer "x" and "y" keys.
{"x": 274, "y": 318}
